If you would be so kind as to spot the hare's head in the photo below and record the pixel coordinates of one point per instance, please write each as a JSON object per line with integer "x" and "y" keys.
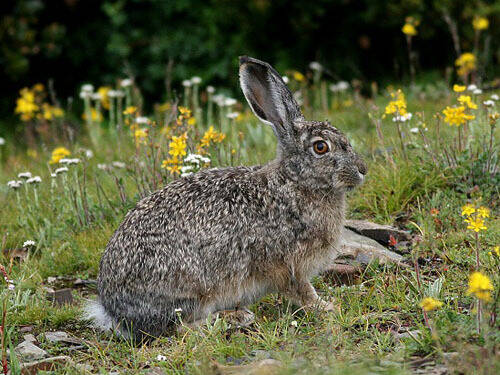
{"x": 314, "y": 154}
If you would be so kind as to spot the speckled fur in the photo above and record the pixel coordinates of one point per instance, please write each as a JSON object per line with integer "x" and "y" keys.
{"x": 222, "y": 238}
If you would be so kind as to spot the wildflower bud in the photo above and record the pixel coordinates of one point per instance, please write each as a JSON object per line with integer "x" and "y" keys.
{"x": 126, "y": 82}
{"x": 195, "y": 80}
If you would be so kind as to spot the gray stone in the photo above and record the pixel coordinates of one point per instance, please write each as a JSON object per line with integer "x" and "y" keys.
{"x": 155, "y": 371}
{"x": 29, "y": 337}
{"x": 60, "y": 297}
{"x": 402, "y": 335}
{"x": 378, "y": 232}
{"x": 48, "y": 364}
{"x": 59, "y": 337}
{"x": 364, "y": 250}
{"x": 28, "y": 351}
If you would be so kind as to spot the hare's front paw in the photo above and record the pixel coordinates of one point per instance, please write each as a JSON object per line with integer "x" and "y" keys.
{"x": 322, "y": 305}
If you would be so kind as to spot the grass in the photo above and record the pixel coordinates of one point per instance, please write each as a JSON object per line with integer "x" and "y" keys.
{"x": 71, "y": 218}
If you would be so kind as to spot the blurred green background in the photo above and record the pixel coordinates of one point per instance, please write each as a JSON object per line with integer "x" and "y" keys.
{"x": 77, "y": 41}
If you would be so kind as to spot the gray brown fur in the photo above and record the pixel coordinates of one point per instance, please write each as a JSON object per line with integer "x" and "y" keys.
{"x": 224, "y": 237}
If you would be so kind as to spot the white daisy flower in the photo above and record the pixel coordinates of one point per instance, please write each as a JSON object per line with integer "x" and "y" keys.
{"x": 29, "y": 243}
{"x": 89, "y": 154}
{"x": 61, "y": 170}
{"x": 414, "y": 130}
{"x": 314, "y": 65}
{"x": 403, "y": 118}
{"x": 34, "y": 180}
{"x": 232, "y": 115}
{"x": 178, "y": 310}
{"x": 24, "y": 175}
{"x": 87, "y": 88}
{"x": 489, "y": 103}
{"x": 14, "y": 184}
{"x": 118, "y": 164}
{"x": 141, "y": 120}
{"x": 228, "y": 102}
{"x": 471, "y": 87}
{"x": 53, "y": 175}
{"x": 339, "y": 86}
{"x": 103, "y": 167}
{"x": 196, "y": 80}
{"x": 126, "y": 82}
{"x": 186, "y": 83}
{"x": 210, "y": 89}
{"x": 477, "y": 92}
{"x": 494, "y": 97}
{"x": 186, "y": 168}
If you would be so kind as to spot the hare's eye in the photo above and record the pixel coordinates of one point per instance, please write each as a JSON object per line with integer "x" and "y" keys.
{"x": 320, "y": 147}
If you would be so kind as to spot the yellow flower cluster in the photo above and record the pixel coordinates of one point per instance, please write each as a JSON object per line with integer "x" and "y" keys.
{"x": 480, "y": 23}
{"x": 456, "y": 115}
{"x": 298, "y": 76}
{"x": 95, "y": 115}
{"x": 58, "y": 154}
{"x": 466, "y": 99}
{"x": 185, "y": 114}
{"x": 466, "y": 63}
{"x": 211, "y": 136}
{"x": 410, "y": 26}
{"x": 474, "y": 217}
{"x": 30, "y": 105}
{"x": 398, "y": 105}
{"x": 429, "y": 304}
{"x": 177, "y": 149}
{"x": 103, "y": 91}
{"x": 140, "y": 135}
{"x": 480, "y": 285}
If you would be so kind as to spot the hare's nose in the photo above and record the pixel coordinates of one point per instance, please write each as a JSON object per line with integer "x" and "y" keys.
{"x": 361, "y": 167}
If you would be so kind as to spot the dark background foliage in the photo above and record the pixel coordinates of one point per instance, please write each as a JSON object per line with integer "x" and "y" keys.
{"x": 77, "y": 41}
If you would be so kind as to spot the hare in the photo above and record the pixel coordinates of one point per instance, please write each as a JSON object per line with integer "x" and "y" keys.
{"x": 224, "y": 237}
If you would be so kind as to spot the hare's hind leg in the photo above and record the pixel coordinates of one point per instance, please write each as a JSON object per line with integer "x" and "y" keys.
{"x": 238, "y": 318}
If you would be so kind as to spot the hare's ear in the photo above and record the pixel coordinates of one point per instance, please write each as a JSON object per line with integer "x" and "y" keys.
{"x": 268, "y": 96}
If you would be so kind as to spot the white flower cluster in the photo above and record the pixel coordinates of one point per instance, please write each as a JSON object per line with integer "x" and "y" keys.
{"x": 127, "y": 82}
{"x": 224, "y": 101}
{"x": 196, "y": 80}
{"x": 34, "y": 180}
{"x": 314, "y": 65}
{"x": 29, "y": 243}
{"x": 14, "y": 184}
{"x": 474, "y": 89}
{"x": 87, "y": 91}
{"x": 402, "y": 118}
{"x": 24, "y": 175}
{"x": 339, "y": 86}
{"x": 232, "y": 115}
{"x": 69, "y": 161}
{"x": 491, "y": 101}
{"x": 116, "y": 94}
{"x": 2, "y": 141}
{"x": 141, "y": 120}
{"x": 195, "y": 160}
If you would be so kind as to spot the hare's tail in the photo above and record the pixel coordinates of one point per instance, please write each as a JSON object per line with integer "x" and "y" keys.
{"x": 97, "y": 314}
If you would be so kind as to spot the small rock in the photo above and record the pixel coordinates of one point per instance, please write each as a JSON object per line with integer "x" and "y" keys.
{"x": 29, "y": 351}
{"x": 60, "y": 297}
{"x": 48, "y": 364}
{"x": 59, "y": 337}
{"x": 378, "y": 232}
{"x": 406, "y": 334}
{"x": 84, "y": 367}
{"x": 25, "y": 329}
{"x": 365, "y": 249}
{"x": 263, "y": 367}
{"x": 29, "y": 337}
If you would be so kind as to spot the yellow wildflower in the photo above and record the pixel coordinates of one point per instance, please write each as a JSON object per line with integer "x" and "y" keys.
{"x": 483, "y": 212}
{"x": 130, "y": 110}
{"x": 94, "y": 115}
{"x": 211, "y": 135}
{"x": 480, "y": 23}
{"x": 466, "y": 99}
{"x": 429, "y": 304}
{"x": 49, "y": 112}
{"x": 163, "y": 107}
{"x": 58, "y": 154}
{"x": 496, "y": 249}
{"x": 468, "y": 210}
{"x": 458, "y": 88}
{"x": 409, "y": 29}
{"x": 466, "y": 63}
{"x": 25, "y": 104}
{"x": 186, "y": 112}
{"x": 140, "y": 135}
{"x": 480, "y": 285}
{"x": 397, "y": 106}
{"x": 103, "y": 91}
{"x": 39, "y": 87}
{"x": 191, "y": 121}
{"x": 177, "y": 148}
{"x": 298, "y": 76}
{"x": 172, "y": 165}
{"x": 456, "y": 115}
{"x": 476, "y": 224}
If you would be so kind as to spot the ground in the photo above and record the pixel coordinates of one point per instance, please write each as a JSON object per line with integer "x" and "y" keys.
{"x": 419, "y": 179}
